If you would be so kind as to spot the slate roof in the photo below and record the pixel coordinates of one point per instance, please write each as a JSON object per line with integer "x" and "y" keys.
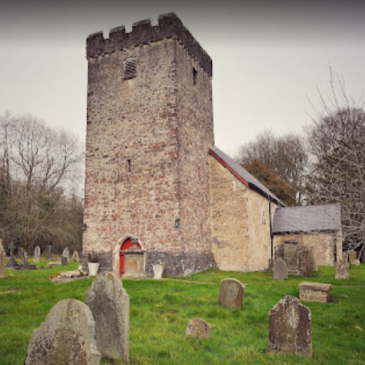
{"x": 307, "y": 219}
{"x": 252, "y": 182}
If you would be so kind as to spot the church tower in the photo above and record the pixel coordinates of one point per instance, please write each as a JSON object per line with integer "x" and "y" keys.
{"x": 149, "y": 129}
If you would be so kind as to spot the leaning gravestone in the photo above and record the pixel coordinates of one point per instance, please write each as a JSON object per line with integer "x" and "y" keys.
{"x": 290, "y": 328}
{"x": 352, "y": 256}
{"x": 280, "y": 269}
{"x": 109, "y": 304}
{"x": 341, "y": 269}
{"x": 231, "y": 293}
{"x": 198, "y": 328}
{"x": 37, "y": 254}
{"x": 66, "y": 337}
{"x": 75, "y": 257}
{"x": 49, "y": 252}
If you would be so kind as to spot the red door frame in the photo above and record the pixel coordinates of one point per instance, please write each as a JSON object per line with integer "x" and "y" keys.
{"x": 126, "y": 244}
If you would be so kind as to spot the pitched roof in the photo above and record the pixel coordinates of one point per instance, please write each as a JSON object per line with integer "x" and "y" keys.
{"x": 243, "y": 175}
{"x": 307, "y": 219}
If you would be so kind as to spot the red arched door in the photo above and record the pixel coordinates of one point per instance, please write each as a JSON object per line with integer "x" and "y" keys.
{"x": 126, "y": 244}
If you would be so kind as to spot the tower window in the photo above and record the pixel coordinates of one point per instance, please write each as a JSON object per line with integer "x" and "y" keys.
{"x": 130, "y": 69}
{"x": 195, "y": 74}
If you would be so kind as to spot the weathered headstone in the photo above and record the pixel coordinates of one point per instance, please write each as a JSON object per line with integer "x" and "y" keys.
{"x": 157, "y": 271}
{"x": 37, "y": 254}
{"x": 356, "y": 262}
{"x": 66, "y": 252}
{"x": 24, "y": 258}
{"x": 49, "y": 252}
{"x": 109, "y": 304}
{"x": 64, "y": 260}
{"x": 290, "y": 328}
{"x": 280, "y": 269}
{"x": 12, "y": 263}
{"x": 291, "y": 257}
{"x": 75, "y": 257}
{"x": 352, "y": 256}
{"x": 66, "y": 337}
{"x": 231, "y": 293}
{"x": 2, "y": 264}
{"x": 198, "y": 328}
{"x": 341, "y": 269}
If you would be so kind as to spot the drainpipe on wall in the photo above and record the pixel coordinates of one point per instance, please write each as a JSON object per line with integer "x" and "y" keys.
{"x": 271, "y": 234}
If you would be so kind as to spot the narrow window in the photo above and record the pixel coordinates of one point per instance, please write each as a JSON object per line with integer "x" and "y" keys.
{"x": 130, "y": 69}
{"x": 195, "y": 74}
{"x": 128, "y": 166}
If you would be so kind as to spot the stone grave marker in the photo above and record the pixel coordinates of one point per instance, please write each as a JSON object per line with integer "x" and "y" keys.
{"x": 24, "y": 258}
{"x": 75, "y": 257}
{"x": 66, "y": 337}
{"x": 109, "y": 304}
{"x": 64, "y": 260}
{"x": 2, "y": 264}
{"x": 198, "y": 328}
{"x": 12, "y": 263}
{"x": 352, "y": 256}
{"x": 49, "y": 252}
{"x": 66, "y": 253}
{"x": 290, "y": 328}
{"x": 231, "y": 293}
{"x": 356, "y": 262}
{"x": 157, "y": 271}
{"x": 342, "y": 269}
{"x": 37, "y": 254}
{"x": 280, "y": 269}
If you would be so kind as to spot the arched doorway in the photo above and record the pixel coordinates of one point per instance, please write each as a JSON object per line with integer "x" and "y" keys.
{"x": 126, "y": 244}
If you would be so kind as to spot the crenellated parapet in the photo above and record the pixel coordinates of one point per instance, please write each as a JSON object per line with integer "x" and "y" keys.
{"x": 169, "y": 26}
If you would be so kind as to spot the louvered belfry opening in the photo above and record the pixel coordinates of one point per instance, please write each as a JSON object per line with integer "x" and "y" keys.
{"x": 130, "y": 69}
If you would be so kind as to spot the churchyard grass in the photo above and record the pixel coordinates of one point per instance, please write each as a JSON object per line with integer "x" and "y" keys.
{"x": 160, "y": 311}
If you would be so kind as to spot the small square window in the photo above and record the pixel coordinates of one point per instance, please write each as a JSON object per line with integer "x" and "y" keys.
{"x": 130, "y": 69}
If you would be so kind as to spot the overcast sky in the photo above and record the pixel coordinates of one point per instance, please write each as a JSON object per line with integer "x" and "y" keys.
{"x": 268, "y": 59}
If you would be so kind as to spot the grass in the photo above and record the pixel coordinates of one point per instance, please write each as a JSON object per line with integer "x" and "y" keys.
{"x": 160, "y": 311}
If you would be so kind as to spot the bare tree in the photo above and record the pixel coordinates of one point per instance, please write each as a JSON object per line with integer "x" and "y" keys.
{"x": 336, "y": 142}
{"x": 286, "y": 155}
{"x": 40, "y": 167}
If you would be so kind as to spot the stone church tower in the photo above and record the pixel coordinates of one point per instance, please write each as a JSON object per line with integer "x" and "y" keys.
{"x": 149, "y": 129}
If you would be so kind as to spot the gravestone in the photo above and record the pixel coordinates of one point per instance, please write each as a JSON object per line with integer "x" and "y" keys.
{"x": 49, "y": 252}
{"x": 64, "y": 260}
{"x": 109, "y": 304}
{"x": 291, "y": 257}
{"x": 352, "y": 256}
{"x": 25, "y": 265}
{"x": 75, "y": 257}
{"x": 66, "y": 337}
{"x": 157, "y": 271}
{"x": 198, "y": 328}
{"x": 24, "y": 258}
{"x": 341, "y": 269}
{"x": 290, "y": 328}
{"x": 231, "y": 293}
{"x": 37, "y": 254}
{"x": 66, "y": 253}
{"x": 12, "y": 263}
{"x": 2, "y": 264}
{"x": 356, "y": 262}
{"x": 280, "y": 269}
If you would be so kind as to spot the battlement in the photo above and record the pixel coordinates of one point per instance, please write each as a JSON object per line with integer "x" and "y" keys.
{"x": 169, "y": 26}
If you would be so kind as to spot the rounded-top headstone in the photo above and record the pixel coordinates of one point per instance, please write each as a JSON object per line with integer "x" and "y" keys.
{"x": 290, "y": 328}
{"x": 75, "y": 257}
{"x": 66, "y": 337}
{"x": 280, "y": 269}
{"x": 231, "y": 293}
{"x": 198, "y": 328}
{"x": 109, "y": 304}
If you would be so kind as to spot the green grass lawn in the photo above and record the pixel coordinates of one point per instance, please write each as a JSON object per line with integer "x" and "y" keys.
{"x": 160, "y": 311}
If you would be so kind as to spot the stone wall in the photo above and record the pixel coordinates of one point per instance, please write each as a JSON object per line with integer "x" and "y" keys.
{"x": 259, "y": 244}
{"x": 321, "y": 243}
{"x": 229, "y": 216}
{"x": 146, "y": 150}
